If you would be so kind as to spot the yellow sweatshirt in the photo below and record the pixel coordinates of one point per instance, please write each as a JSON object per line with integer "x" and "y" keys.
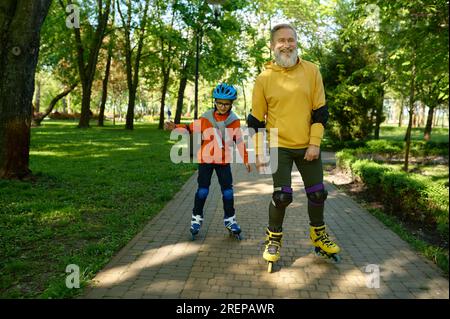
{"x": 284, "y": 98}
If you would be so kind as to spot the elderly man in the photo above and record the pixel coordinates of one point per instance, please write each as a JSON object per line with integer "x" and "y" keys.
{"x": 289, "y": 96}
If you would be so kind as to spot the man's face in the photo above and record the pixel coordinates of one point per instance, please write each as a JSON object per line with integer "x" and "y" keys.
{"x": 284, "y": 47}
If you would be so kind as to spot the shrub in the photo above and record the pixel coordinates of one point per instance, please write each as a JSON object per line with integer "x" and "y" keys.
{"x": 423, "y": 148}
{"x": 412, "y": 197}
{"x": 384, "y": 147}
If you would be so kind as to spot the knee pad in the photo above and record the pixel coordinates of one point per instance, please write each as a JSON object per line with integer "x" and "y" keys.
{"x": 282, "y": 198}
{"x": 316, "y": 194}
{"x": 202, "y": 193}
{"x": 227, "y": 194}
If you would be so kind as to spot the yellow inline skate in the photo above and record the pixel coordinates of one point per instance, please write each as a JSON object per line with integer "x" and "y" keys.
{"x": 323, "y": 245}
{"x": 272, "y": 250}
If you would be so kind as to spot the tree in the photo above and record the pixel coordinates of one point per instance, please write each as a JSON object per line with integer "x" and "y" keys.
{"x": 133, "y": 60}
{"x": 166, "y": 38}
{"x": 40, "y": 117}
{"x": 433, "y": 80}
{"x": 411, "y": 24}
{"x": 87, "y": 55}
{"x": 350, "y": 66}
{"x": 20, "y": 25}
{"x": 56, "y": 57}
{"x": 101, "y": 113}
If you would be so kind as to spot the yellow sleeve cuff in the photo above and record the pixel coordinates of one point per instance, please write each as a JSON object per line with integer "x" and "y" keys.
{"x": 316, "y": 134}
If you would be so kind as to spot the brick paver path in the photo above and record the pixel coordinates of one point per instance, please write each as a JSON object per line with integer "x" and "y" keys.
{"x": 163, "y": 262}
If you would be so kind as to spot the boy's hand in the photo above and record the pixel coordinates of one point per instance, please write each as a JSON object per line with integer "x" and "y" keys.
{"x": 260, "y": 166}
{"x": 249, "y": 168}
{"x": 312, "y": 152}
{"x": 169, "y": 126}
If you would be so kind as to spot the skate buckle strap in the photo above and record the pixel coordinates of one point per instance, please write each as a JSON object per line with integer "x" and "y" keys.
{"x": 230, "y": 221}
{"x": 196, "y": 219}
{"x": 315, "y": 188}
{"x": 323, "y": 237}
{"x": 273, "y": 246}
{"x": 273, "y": 241}
{"x": 284, "y": 189}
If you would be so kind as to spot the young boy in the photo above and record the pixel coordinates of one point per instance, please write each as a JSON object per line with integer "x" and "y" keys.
{"x": 216, "y": 123}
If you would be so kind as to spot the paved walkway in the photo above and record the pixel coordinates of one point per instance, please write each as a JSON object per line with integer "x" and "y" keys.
{"x": 163, "y": 262}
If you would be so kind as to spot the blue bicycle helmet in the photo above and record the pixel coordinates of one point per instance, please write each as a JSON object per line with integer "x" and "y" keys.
{"x": 225, "y": 92}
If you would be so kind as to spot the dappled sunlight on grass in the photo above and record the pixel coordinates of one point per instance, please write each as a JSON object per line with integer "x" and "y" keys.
{"x": 94, "y": 190}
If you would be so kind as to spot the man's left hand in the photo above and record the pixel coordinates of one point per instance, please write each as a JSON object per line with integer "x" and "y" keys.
{"x": 312, "y": 152}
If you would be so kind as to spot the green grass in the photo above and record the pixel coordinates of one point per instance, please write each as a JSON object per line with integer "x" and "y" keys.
{"x": 395, "y": 133}
{"x": 389, "y": 133}
{"x": 96, "y": 188}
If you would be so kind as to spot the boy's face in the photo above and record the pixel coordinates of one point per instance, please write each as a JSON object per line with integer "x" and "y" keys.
{"x": 223, "y": 106}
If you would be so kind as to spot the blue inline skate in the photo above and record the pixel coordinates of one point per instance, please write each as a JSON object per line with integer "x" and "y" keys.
{"x": 196, "y": 224}
{"x": 233, "y": 227}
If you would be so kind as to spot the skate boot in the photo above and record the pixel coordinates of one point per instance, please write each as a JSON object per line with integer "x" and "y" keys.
{"x": 196, "y": 224}
{"x": 324, "y": 246}
{"x": 233, "y": 227}
{"x": 272, "y": 250}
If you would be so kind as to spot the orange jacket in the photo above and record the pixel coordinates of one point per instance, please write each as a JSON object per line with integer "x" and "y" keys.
{"x": 213, "y": 147}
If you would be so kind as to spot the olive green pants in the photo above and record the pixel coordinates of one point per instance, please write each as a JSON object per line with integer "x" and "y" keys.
{"x": 311, "y": 173}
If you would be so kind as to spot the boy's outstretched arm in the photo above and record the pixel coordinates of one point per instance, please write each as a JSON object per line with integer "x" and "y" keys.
{"x": 169, "y": 126}
{"x": 239, "y": 140}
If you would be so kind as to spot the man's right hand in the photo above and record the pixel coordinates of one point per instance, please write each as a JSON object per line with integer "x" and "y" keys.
{"x": 169, "y": 126}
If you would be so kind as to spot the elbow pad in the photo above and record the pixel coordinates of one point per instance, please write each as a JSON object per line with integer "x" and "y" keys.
{"x": 254, "y": 123}
{"x": 320, "y": 115}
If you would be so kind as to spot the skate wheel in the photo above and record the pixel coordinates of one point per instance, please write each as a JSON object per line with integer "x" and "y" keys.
{"x": 270, "y": 267}
{"x": 336, "y": 258}
{"x": 318, "y": 252}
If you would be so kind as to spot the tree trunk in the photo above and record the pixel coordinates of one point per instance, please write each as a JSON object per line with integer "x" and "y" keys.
{"x": 114, "y": 114}
{"x": 379, "y": 114}
{"x": 37, "y": 97}
{"x": 69, "y": 110}
{"x": 422, "y": 115}
{"x": 189, "y": 107}
{"x": 400, "y": 116}
{"x": 129, "y": 122}
{"x": 133, "y": 73}
{"x": 164, "y": 88}
{"x": 20, "y": 25}
{"x": 181, "y": 89}
{"x": 101, "y": 113}
{"x": 64, "y": 105}
{"x": 87, "y": 71}
{"x": 429, "y": 125}
{"x": 38, "y": 119}
{"x": 85, "y": 115}
{"x": 245, "y": 101}
{"x": 411, "y": 115}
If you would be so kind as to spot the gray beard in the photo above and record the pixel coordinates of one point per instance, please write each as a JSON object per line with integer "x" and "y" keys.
{"x": 286, "y": 62}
